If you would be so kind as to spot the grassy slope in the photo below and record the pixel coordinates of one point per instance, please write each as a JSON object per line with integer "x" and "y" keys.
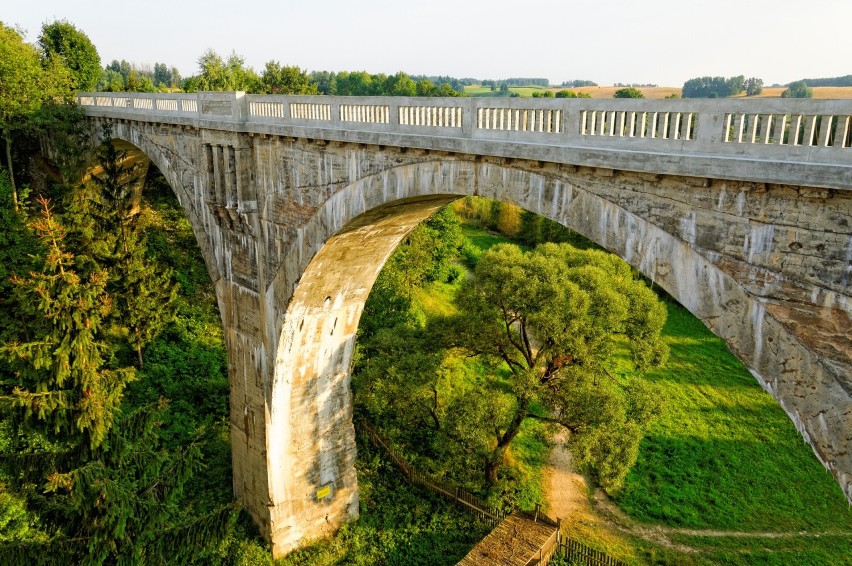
{"x": 725, "y": 455}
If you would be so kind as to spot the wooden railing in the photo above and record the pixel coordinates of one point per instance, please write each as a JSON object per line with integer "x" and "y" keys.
{"x": 558, "y": 544}
{"x": 578, "y": 553}
{"x": 469, "y": 502}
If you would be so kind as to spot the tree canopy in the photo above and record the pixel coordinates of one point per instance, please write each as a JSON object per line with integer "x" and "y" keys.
{"x": 25, "y": 85}
{"x": 628, "y": 92}
{"x": 543, "y": 326}
{"x": 798, "y": 89}
{"x": 716, "y": 87}
{"x": 278, "y": 79}
{"x": 554, "y": 315}
{"x": 62, "y": 40}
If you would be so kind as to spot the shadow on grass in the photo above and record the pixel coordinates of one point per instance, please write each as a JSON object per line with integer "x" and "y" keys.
{"x": 399, "y": 524}
{"x": 733, "y": 485}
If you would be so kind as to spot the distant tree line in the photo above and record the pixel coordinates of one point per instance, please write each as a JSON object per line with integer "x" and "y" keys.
{"x": 642, "y": 85}
{"x": 579, "y": 83}
{"x": 121, "y": 76}
{"x": 829, "y": 81}
{"x": 515, "y": 82}
{"x": 361, "y": 83}
{"x": 456, "y": 84}
{"x": 721, "y": 87}
{"x": 218, "y": 73}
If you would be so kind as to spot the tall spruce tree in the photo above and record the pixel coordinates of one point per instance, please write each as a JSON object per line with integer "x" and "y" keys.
{"x": 102, "y": 488}
{"x": 102, "y": 214}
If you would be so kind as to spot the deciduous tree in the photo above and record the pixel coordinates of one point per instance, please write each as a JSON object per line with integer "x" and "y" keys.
{"x": 628, "y": 92}
{"x": 555, "y": 316}
{"x": 278, "y": 79}
{"x": 63, "y": 41}
{"x": 25, "y": 85}
{"x": 798, "y": 89}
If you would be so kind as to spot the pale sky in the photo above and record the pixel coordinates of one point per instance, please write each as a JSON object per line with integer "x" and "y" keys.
{"x": 629, "y": 41}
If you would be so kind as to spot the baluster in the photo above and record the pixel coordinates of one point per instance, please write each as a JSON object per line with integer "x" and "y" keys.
{"x": 825, "y": 128}
{"x": 739, "y": 127}
{"x": 810, "y": 131}
{"x": 841, "y": 131}
{"x": 795, "y": 128}
{"x": 754, "y": 122}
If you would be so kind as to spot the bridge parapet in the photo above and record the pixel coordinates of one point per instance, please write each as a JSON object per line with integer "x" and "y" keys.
{"x": 786, "y": 141}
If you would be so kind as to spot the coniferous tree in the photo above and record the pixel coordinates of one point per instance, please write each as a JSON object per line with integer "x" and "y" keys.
{"x": 60, "y": 376}
{"x": 100, "y": 485}
{"x": 104, "y": 223}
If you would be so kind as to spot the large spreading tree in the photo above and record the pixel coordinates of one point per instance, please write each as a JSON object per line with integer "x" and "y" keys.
{"x": 556, "y": 316}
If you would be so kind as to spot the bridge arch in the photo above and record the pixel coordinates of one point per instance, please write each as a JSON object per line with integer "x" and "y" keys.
{"x": 340, "y": 250}
{"x": 747, "y": 226}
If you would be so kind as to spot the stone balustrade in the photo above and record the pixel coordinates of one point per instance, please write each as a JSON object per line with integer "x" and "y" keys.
{"x": 785, "y": 141}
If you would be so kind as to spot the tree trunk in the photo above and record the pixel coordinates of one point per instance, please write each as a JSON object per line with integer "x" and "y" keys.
{"x": 11, "y": 172}
{"x": 495, "y": 460}
{"x": 138, "y": 347}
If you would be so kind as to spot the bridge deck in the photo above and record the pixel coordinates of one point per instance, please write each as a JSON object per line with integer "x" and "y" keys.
{"x": 517, "y": 541}
{"x": 784, "y": 141}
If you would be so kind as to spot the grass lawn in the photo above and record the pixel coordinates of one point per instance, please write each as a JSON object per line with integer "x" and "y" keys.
{"x": 484, "y": 239}
{"x": 725, "y": 455}
{"x": 399, "y": 524}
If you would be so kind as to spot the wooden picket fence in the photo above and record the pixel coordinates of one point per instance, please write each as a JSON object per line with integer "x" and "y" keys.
{"x": 578, "y": 553}
{"x": 575, "y": 552}
{"x": 469, "y": 502}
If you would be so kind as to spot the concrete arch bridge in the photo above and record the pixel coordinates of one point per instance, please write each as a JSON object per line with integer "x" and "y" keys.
{"x": 741, "y": 209}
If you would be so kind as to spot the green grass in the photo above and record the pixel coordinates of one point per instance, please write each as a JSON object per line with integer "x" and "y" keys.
{"x": 399, "y": 524}
{"x": 799, "y": 551}
{"x": 725, "y": 455}
{"x": 530, "y": 452}
{"x": 485, "y": 91}
{"x": 484, "y": 239}
{"x": 436, "y": 299}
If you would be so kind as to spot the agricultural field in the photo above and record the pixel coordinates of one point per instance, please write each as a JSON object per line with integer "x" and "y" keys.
{"x": 822, "y": 92}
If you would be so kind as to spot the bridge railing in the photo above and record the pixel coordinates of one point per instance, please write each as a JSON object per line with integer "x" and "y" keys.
{"x": 789, "y": 131}
{"x": 793, "y": 125}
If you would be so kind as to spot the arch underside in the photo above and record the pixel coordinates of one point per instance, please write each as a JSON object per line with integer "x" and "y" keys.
{"x": 362, "y": 223}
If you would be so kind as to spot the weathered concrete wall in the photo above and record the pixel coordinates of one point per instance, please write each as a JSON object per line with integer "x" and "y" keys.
{"x": 295, "y": 231}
